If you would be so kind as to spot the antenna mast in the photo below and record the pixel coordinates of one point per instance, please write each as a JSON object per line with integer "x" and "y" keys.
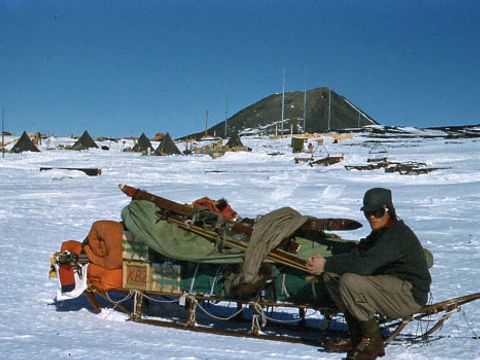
{"x": 226, "y": 109}
{"x": 3, "y": 135}
{"x": 329, "y": 108}
{"x": 305, "y": 103}
{"x": 283, "y": 99}
{"x": 206, "y": 124}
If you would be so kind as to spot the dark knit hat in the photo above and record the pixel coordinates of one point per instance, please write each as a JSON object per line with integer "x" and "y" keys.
{"x": 375, "y": 198}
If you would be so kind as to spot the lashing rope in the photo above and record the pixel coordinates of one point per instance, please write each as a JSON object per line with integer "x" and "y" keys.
{"x": 118, "y": 302}
{"x": 194, "y": 277}
{"x": 284, "y": 287}
{"x": 218, "y": 317}
{"x": 214, "y": 281}
{"x": 468, "y": 324}
{"x": 157, "y": 300}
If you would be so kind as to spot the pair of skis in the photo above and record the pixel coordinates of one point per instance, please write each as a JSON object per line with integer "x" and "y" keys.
{"x": 182, "y": 214}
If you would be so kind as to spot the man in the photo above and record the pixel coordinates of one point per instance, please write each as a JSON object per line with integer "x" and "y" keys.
{"x": 385, "y": 273}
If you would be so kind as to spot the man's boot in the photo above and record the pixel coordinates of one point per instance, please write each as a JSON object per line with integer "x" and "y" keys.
{"x": 345, "y": 344}
{"x": 354, "y": 329}
{"x": 371, "y": 346}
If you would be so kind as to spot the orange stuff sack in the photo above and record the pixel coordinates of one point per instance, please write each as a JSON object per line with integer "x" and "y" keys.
{"x": 66, "y": 273}
{"x": 103, "y": 244}
{"x": 104, "y": 279}
{"x": 219, "y": 207}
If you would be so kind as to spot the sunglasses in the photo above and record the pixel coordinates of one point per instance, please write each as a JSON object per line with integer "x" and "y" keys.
{"x": 376, "y": 213}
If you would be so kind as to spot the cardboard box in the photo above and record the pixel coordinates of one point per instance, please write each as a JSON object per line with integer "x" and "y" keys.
{"x": 133, "y": 249}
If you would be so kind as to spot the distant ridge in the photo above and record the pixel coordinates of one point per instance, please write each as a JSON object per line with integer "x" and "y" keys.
{"x": 266, "y": 115}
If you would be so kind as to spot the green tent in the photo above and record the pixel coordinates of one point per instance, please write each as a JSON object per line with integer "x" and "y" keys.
{"x": 143, "y": 144}
{"x": 24, "y": 144}
{"x": 84, "y": 142}
{"x": 167, "y": 147}
{"x": 234, "y": 141}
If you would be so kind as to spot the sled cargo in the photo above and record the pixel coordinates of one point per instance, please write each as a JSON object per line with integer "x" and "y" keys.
{"x": 166, "y": 254}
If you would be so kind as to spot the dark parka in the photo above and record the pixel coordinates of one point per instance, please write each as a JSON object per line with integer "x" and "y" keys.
{"x": 394, "y": 250}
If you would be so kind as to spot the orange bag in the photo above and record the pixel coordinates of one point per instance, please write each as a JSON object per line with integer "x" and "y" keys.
{"x": 66, "y": 273}
{"x": 104, "y": 244}
{"x": 219, "y": 207}
{"x": 104, "y": 279}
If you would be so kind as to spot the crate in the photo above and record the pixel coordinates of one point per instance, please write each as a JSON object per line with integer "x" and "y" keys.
{"x": 165, "y": 278}
{"x": 136, "y": 275}
{"x": 133, "y": 249}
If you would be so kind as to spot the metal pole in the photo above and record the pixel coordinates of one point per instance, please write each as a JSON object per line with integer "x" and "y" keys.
{"x": 305, "y": 103}
{"x": 226, "y": 114}
{"x": 329, "y": 107}
{"x": 283, "y": 98}
{"x": 206, "y": 125}
{"x": 3, "y": 135}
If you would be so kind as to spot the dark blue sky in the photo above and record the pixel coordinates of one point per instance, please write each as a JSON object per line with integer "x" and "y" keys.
{"x": 121, "y": 67}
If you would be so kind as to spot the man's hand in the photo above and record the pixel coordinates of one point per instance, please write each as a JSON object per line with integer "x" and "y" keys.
{"x": 316, "y": 264}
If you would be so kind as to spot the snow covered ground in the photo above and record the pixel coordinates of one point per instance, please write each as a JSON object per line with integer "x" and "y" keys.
{"x": 39, "y": 210}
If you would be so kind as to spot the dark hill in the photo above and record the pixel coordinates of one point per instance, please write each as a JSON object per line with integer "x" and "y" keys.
{"x": 266, "y": 114}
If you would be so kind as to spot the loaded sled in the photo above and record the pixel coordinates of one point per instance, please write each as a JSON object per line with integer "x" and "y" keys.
{"x": 194, "y": 266}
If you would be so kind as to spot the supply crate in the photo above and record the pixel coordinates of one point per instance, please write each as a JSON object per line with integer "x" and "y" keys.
{"x": 136, "y": 275}
{"x": 134, "y": 249}
{"x": 165, "y": 278}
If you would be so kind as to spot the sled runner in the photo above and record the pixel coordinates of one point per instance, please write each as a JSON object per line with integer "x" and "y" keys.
{"x": 189, "y": 263}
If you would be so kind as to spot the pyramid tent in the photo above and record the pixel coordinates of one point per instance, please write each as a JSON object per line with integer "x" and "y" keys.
{"x": 167, "y": 147}
{"x": 24, "y": 144}
{"x": 234, "y": 141}
{"x": 84, "y": 142}
{"x": 143, "y": 144}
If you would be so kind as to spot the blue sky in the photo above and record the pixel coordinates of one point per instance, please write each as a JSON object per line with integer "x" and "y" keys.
{"x": 120, "y": 67}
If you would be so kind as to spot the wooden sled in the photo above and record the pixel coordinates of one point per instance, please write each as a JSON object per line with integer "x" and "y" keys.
{"x": 193, "y": 290}
{"x": 263, "y": 322}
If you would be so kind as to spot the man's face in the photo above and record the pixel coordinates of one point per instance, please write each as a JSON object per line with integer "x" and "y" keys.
{"x": 377, "y": 219}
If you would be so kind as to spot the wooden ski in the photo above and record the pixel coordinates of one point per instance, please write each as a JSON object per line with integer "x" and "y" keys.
{"x": 312, "y": 224}
{"x": 178, "y": 213}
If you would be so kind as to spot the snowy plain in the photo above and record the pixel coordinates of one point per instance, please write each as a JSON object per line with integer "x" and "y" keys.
{"x": 39, "y": 210}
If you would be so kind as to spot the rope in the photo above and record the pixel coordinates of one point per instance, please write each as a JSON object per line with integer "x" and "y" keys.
{"x": 157, "y": 300}
{"x": 134, "y": 303}
{"x": 444, "y": 316}
{"x": 288, "y": 321}
{"x": 424, "y": 334}
{"x": 214, "y": 280}
{"x": 284, "y": 287}
{"x": 468, "y": 324}
{"x": 255, "y": 325}
{"x": 194, "y": 277}
{"x": 128, "y": 296}
{"x": 218, "y": 317}
{"x": 260, "y": 313}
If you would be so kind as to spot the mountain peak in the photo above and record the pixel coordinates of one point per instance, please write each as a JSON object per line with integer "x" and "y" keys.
{"x": 326, "y": 110}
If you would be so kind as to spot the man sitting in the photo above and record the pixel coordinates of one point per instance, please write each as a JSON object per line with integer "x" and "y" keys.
{"x": 385, "y": 273}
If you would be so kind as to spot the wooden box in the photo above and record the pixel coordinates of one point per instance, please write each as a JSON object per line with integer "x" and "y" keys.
{"x": 136, "y": 275}
{"x": 133, "y": 249}
{"x": 165, "y": 278}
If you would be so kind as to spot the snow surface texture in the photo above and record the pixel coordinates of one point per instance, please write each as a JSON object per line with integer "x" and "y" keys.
{"x": 39, "y": 210}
